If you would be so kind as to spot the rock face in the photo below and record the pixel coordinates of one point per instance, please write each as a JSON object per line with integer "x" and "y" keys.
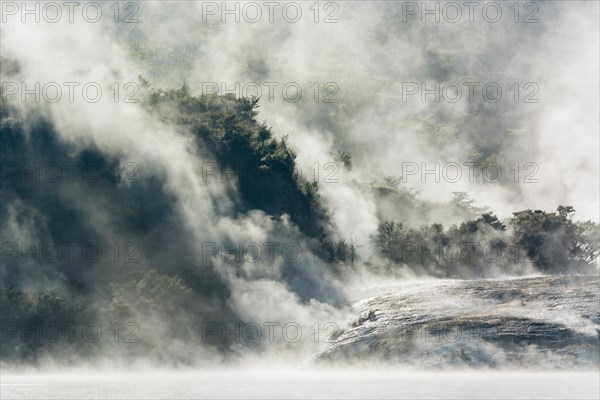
{"x": 542, "y": 322}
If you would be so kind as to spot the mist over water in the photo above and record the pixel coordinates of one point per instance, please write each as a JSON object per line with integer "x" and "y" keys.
{"x": 313, "y": 385}
{"x": 377, "y": 188}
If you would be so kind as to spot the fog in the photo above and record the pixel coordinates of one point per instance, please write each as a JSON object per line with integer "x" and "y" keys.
{"x": 360, "y": 68}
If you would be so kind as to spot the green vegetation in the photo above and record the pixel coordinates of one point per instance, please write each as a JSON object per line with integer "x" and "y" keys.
{"x": 176, "y": 288}
{"x": 265, "y": 166}
{"x": 551, "y": 241}
{"x": 554, "y": 241}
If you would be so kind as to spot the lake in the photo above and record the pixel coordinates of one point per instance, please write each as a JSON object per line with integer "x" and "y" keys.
{"x": 301, "y": 384}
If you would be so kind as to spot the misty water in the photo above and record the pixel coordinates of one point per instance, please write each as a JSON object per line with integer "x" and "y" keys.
{"x": 425, "y": 339}
{"x": 294, "y": 384}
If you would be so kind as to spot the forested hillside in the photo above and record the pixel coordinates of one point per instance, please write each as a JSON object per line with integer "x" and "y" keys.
{"x": 153, "y": 267}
